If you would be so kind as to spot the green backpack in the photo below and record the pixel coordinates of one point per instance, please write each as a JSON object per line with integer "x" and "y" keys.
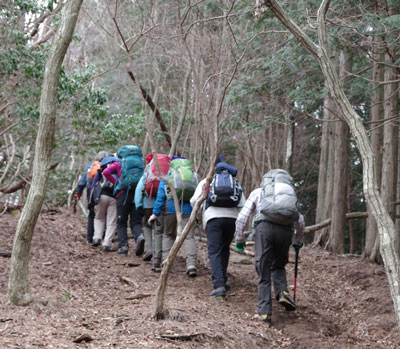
{"x": 131, "y": 159}
{"x": 183, "y": 179}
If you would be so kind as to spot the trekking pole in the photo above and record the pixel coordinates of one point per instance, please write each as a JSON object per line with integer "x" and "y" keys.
{"x": 295, "y": 273}
{"x": 153, "y": 228}
{"x": 202, "y": 247}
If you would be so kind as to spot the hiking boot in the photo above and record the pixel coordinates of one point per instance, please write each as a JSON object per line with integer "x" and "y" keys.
{"x": 123, "y": 250}
{"x": 156, "y": 268}
{"x": 285, "y": 300}
{"x": 192, "y": 272}
{"x": 264, "y": 318}
{"x": 96, "y": 242}
{"x": 147, "y": 256}
{"x": 218, "y": 292}
{"x": 106, "y": 249}
{"x": 139, "y": 245}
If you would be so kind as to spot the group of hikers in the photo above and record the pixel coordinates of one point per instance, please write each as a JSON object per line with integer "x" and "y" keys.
{"x": 125, "y": 186}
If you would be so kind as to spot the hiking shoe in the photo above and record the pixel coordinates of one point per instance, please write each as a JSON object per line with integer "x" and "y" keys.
{"x": 106, "y": 249}
{"x": 139, "y": 245}
{"x": 147, "y": 256}
{"x": 264, "y": 318}
{"x": 192, "y": 272}
{"x": 123, "y": 250}
{"x": 96, "y": 242}
{"x": 156, "y": 268}
{"x": 218, "y": 292}
{"x": 286, "y": 301}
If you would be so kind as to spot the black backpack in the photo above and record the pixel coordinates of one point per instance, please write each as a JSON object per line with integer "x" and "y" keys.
{"x": 225, "y": 190}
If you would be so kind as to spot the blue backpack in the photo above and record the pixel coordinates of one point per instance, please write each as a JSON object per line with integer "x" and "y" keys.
{"x": 131, "y": 159}
{"x": 225, "y": 190}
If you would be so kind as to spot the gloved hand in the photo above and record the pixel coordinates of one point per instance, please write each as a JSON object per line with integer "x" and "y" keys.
{"x": 152, "y": 218}
{"x": 78, "y": 195}
{"x": 239, "y": 246}
{"x": 296, "y": 246}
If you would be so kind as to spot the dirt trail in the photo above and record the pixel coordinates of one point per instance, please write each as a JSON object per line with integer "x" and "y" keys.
{"x": 343, "y": 302}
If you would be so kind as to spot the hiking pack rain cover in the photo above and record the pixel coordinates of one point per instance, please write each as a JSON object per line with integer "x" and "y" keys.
{"x": 152, "y": 179}
{"x": 131, "y": 159}
{"x": 279, "y": 200}
{"x": 183, "y": 179}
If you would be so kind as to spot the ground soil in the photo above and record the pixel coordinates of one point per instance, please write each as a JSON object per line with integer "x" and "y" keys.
{"x": 107, "y": 299}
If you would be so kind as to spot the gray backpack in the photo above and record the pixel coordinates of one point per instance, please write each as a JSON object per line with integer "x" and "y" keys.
{"x": 278, "y": 202}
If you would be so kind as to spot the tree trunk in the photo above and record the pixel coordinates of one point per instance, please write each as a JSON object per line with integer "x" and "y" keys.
{"x": 372, "y": 235}
{"x": 18, "y": 287}
{"x": 336, "y": 238}
{"x": 386, "y": 226}
{"x": 325, "y": 176}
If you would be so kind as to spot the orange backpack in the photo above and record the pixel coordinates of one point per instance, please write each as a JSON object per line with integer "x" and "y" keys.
{"x": 93, "y": 170}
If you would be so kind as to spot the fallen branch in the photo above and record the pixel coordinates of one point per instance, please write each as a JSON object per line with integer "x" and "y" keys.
{"x": 327, "y": 222}
{"x": 128, "y": 281}
{"x": 138, "y": 296}
{"x": 184, "y": 337}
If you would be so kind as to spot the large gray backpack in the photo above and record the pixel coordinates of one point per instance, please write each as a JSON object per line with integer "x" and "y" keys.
{"x": 278, "y": 202}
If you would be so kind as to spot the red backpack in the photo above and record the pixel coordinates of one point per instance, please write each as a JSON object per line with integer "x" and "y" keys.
{"x": 152, "y": 179}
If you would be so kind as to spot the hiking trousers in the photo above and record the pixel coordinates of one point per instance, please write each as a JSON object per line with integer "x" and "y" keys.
{"x": 272, "y": 242}
{"x": 220, "y": 233}
{"x": 107, "y": 206}
{"x": 169, "y": 236}
{"x": 91, "y": 215}
{"x": 159, "y": 226}
{"x": 126, "y": 209}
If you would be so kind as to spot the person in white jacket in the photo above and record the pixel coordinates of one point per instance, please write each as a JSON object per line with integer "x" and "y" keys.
{"x": 219, "y": 224}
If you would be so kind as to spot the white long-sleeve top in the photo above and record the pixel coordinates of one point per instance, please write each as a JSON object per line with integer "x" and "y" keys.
{"x": 213, "y": 211}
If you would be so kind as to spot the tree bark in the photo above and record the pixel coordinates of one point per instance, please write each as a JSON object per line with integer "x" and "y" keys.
{"x": 386, "y": 226}
{"x": 326, "y": 166}
{"x": 372, "y": 235}
{"x": 18, "y": 287}
{"x": 336, "y": 238}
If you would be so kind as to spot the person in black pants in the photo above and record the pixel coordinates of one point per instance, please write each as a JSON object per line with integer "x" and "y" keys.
{"x": 219, "y": 223}
{"x": 126, "y": 209}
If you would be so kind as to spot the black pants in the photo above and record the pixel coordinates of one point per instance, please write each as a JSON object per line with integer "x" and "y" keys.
{"x": 126, "y": 209}
{"x": 220, "y": 233}
{"x": 90, "y": 224}
{"x": 272, "y": 242}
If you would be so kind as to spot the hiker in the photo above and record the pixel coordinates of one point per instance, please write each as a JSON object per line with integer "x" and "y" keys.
{"x": 276, "y": 217}
{"x": 86, "y": 180}
{"x": 185, "y": 181}
{"x": 105, "y": 206}
{"x": 219, "y": 213}
{"x": 128, "y": 170}
{"x": 145, "y": 196}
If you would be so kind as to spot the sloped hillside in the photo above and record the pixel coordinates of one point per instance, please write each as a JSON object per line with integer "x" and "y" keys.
{"x": 106, "y": 300}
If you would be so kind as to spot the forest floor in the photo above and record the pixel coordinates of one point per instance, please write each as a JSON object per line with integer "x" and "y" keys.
{"x": 342, "y": 301}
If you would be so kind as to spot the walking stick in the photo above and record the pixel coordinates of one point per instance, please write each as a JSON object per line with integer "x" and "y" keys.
{"x": 295, "y": 273}
{"x": 153, "y": 228}
{"x": 202, "y": 247}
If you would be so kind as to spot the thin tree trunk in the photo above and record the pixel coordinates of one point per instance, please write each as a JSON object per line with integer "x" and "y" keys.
{"x": 336, "y": 238}
{"x": 372, "y": 235}
{"x": 19, "y": 292}
{"x": 352, "y": 235}
{"x": 326, "y": 165}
